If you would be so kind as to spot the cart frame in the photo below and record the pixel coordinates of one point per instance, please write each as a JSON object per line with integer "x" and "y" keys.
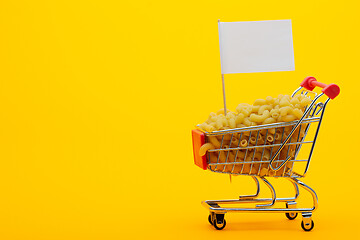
{"x": 266, "y": 205}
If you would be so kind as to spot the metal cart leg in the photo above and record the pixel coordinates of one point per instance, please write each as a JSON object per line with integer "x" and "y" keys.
{"x": 296, "y": 189}
{"x": 292, "y": 204}
{"x": 307, "y": 223}
{"x": 273, "y": 194}
{"x": 257, "y": 191}
{"x": 310, "y": 190}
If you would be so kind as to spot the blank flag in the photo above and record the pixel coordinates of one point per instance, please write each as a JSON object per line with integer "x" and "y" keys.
{"x": 257, "y": 46}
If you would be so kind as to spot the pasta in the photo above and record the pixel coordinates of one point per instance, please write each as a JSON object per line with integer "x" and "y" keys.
{"x": 249, "y": 152}
{"x": 243, "y": 143}
{"x": 259, "y": 102}
{"x": 263, "y": 108}
{"x": 215, "y": 142}
{"x": 260, "y": 118}
{"x": 285, "y": 110}
{"x": 297, "y": 113}
{"x": 270, "y": 138}
{"x": 204, "y": 148}
{"x": 269, "y": 120}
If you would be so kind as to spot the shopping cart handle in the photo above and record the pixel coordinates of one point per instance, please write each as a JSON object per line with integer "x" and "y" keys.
{"x": 331, "y": 90}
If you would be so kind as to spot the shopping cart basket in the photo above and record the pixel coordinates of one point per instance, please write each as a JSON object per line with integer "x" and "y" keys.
{"x": 267, "y": 157}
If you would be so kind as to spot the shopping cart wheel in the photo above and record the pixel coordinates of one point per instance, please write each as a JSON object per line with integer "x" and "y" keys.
{"x": 291, "y": 205}
{"x": 308, "y": 226}
{"x": 291, "y": 216}
{"x": 210, "y": 220}
{"x": 219, "y": 221}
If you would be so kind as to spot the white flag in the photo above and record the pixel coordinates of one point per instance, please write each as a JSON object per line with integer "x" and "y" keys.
{"x": 258, "y": 46}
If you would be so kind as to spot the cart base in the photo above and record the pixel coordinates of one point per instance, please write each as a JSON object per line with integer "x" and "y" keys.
{"x": 217, "y": 213}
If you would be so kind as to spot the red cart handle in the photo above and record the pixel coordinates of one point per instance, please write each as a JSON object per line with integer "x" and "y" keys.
{"x": 331, "y": 90}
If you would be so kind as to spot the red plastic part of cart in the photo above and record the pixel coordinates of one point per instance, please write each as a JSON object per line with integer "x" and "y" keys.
{"x": 198, "y": 140}
{"x": 331, "y": 90}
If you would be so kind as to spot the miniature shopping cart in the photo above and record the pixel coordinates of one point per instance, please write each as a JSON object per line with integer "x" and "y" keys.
{"x": 284, "y": 157}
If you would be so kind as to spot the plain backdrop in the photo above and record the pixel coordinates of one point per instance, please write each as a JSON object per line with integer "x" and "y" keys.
{"x": 98, "y": 100}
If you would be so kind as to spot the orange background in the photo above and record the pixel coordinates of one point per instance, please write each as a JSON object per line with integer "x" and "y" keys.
{"x": 98, "y": 99}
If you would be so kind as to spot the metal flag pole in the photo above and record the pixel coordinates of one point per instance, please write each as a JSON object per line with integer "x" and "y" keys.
{"x": 222, "y": 75}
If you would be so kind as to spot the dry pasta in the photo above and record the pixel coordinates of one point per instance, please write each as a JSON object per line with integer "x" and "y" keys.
{"x": 204, "y": 148}
{"x": 255, "y": 160}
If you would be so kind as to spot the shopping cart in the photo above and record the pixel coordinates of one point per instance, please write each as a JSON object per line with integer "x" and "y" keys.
{"x": 284, "y": 156}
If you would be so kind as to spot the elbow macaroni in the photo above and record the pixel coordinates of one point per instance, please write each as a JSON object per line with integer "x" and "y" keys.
{"x": 260, "y": 118}
{"x": 264, "y": 111}
{"x": 204, "y": 148}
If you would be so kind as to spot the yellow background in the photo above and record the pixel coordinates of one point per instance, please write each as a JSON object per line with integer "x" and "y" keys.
{"x": 98, "y": 98}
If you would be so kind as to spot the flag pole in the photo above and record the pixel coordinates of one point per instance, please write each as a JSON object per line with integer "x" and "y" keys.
{"x": 222, "y": 75}
{"x": 223, "y": 87}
